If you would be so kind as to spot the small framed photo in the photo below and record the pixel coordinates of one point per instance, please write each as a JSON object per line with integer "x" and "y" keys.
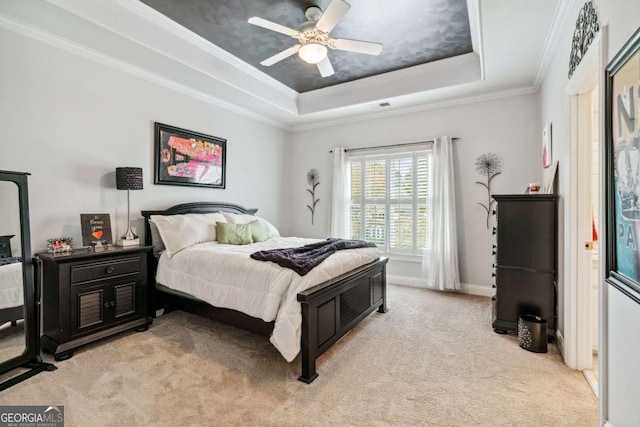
{"x": 96, "y": 229}
{"x": 546, "y": 146}
{"x": 183, "y": 157}
{"x": 551, "y": 185}
{"x": 59, "y": 245}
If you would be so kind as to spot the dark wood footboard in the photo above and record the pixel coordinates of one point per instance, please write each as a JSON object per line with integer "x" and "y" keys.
{"x": 333, "y": 308}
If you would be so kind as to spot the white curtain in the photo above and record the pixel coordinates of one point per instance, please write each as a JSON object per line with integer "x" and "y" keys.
{"x": 440, "y": 257}
{"x": 339, "y": 194}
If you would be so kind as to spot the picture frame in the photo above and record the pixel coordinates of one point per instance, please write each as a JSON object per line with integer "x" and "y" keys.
{"x": 551, "y": 185}
{"x": 546, "y": 146}
{"x": 622, "y": 164}
{"x": 184, "y": 157}
{"x": 59, "y": 245}
{"x": 96, "y": 229}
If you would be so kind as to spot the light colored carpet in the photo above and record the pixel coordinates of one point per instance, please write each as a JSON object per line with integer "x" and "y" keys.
{"x": 12, "y": 340}
{"x": 433, "y": 359}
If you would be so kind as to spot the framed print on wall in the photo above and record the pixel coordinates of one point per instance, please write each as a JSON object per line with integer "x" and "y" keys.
{"x": 622, "y": 130}
{"x": 183, "y": 157}
{"x": 546, "y": 146}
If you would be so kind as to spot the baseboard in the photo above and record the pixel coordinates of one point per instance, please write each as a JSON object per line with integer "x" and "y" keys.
{"x": 560, "y": 343}
{"x": 590, "y": 376}
{"x": 466, "y": 288}
{"x": 406, "y": 281}
{"x": 484, "y": 291}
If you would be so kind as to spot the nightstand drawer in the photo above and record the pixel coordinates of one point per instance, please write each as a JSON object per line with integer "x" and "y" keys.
{"x": 83, "y": 273}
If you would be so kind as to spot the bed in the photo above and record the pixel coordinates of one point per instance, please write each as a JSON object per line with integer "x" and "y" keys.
{"x": 315, "y": 310}
{"x": 11, "y": 290}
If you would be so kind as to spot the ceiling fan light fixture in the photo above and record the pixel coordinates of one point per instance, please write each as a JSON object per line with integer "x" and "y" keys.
{"x": 312, "y": 53}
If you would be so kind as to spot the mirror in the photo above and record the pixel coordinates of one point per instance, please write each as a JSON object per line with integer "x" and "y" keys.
{"x": 19, "y": 323}
{"x": 12, "y": 327}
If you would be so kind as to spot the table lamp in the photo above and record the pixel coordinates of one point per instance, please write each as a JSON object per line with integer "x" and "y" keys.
{"x": 128, "y": 178}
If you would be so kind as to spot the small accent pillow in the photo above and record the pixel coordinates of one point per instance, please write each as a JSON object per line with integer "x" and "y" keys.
{"x": 245, "y": 219}
{"x": 233, "y": 234}
{"x": 181, "y": 231}
{"x": 259, "y": 232}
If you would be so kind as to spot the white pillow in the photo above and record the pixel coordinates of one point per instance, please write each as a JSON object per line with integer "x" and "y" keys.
{"x": 156, "y": 240}
{"x": 181, "y": 231}
{"x": 246, "y": 219}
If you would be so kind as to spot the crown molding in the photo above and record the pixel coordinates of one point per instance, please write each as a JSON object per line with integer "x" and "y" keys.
{"x": 415, "y": 109}
{"x": 558, "y": 25}
{"x": 421, "y": 78}
{"x": 151, "y": 15}
{"x": 475, "y": 26}
{"x": 39, "y": 35}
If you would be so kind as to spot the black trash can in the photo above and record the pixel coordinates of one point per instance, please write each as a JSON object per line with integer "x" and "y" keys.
{"x": 532, "y": 333}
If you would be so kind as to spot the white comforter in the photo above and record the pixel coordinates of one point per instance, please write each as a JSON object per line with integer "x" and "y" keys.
{"x": 225, "y": 276}
{"x": 11, "y": 291}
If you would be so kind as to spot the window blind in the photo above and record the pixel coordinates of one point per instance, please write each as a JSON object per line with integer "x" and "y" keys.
{"x": 389, "y": 198}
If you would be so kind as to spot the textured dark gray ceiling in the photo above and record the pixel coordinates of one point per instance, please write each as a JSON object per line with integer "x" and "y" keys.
{"x": 413, "y": 32}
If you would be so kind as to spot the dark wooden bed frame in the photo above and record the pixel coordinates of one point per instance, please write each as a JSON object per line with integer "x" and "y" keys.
{"x": 12, "y": 314}
{"x": 329, "y": 310}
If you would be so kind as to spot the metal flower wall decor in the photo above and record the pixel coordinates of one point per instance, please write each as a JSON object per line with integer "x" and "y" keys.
{"x": 489, "y": 165}
{"x": 586, "y": 28}
{"x": 313, "y": 180}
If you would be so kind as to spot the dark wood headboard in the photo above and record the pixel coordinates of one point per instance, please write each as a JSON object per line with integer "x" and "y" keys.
{"x": 193, "y": 207}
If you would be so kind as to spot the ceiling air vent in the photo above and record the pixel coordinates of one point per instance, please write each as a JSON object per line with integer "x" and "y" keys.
{"x": 380, "y": 105}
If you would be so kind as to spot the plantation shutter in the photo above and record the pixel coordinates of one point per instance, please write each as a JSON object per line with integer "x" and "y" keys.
{"x": 389, "y": 200}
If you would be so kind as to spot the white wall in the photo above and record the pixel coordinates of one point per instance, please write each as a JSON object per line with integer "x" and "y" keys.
{"x": 508, "y": 127}
{"x": 624, "y": 370}
{"x": 10, "y": 215}
{"x": 622, "y": 17}
{"x": 70, "y": 122}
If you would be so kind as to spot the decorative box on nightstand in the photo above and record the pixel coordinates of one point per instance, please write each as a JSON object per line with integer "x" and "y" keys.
{"x": 87, "y": 296}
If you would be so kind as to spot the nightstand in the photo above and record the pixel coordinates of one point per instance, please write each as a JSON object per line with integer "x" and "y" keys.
{"x": 87, "y": 296}
{"x": 5, "y": 246}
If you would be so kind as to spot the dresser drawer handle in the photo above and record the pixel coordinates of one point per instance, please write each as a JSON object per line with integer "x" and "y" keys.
{"x": 108, "y": 270}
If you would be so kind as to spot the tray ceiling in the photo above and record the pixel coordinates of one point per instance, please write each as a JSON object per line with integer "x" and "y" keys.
{"x": 138, "y": 39}
{"x": 413, "y": 32}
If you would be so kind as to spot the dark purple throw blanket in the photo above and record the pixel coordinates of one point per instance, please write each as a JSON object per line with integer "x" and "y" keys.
{"x": 303, "y": 259}
{"x": 10, "y": 260}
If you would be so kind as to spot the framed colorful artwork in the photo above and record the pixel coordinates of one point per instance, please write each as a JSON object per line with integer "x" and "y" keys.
{"x": 622, "y": 131}
{"x": 183, "y": 157}
{"x": 546, "y": 146}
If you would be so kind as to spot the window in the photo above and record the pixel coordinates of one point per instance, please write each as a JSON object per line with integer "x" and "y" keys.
{"x": 389, "y": 200}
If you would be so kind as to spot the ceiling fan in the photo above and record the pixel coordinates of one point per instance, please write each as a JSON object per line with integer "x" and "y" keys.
{"x": 313, "y": 37}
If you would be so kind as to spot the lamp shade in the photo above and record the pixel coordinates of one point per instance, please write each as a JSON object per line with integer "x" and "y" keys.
{"x": 129, "y": 178}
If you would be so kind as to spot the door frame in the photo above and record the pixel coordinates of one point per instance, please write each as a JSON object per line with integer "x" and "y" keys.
{"x": 577, "y": 347}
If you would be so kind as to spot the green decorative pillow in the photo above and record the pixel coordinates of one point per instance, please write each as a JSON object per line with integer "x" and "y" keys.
{"x": 258, "y": 231}
{"x": 233, "y": 234}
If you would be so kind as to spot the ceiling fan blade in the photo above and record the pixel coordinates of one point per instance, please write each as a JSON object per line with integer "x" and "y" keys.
{"x": 280, "y": 56}
{"x": 273, "y": 26}
{"x": 334, "y": 13}
{"x": 368, "y": 48}
{"x": 325, "y": 67}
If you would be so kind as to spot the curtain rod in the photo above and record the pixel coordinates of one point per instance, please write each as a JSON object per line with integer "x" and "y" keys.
{"x": 406, "y": 144}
